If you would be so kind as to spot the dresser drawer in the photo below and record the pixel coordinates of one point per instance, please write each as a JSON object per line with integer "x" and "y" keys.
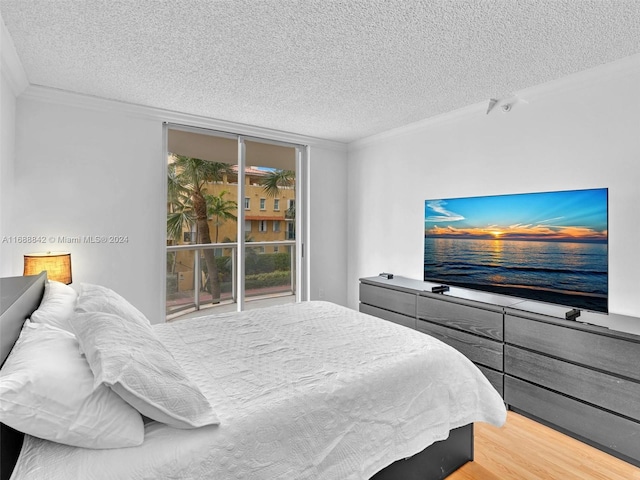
{"x": 480, "y": 350}
{"x": 605, "y": 430}
{"x": 387, "y": 315}
{"x": 598, "y": 351}
{"x": 473, "y": 319}
{"x": 612, "y": 393}
{"x": 388, "y": 299}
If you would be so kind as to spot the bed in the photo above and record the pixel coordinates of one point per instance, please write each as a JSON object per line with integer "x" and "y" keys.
{"x": 306, "y": 391}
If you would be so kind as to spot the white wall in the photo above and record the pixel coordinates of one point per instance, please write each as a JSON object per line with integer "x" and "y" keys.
{"x": 87, "y": 168}
{"x": 582, "y": 132}
{"x": 7, "y": 143}
{"x": 81, "y": 172}
{"x": 328, "y": 246}
{"x": 13, "y": 81}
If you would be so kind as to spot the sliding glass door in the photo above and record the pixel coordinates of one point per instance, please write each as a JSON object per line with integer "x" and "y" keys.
{"x": 234, "y": 235}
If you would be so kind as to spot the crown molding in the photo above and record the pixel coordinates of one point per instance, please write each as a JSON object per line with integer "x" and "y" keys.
{"x": 620, "y": 68}
{"x": 67, "y": 98}
{"x": 587, "y": 78}
{"x": 10, "y": 64}
{"x": 441, "y": 119}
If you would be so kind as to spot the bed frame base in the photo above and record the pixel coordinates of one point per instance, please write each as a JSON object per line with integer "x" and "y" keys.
{"x": 435, "y": 462}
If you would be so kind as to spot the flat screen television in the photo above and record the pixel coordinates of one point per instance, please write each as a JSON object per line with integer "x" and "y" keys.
{"x": 549, "y": 246}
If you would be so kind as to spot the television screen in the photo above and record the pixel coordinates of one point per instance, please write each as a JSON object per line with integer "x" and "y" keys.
{"x": 550, "y": 247}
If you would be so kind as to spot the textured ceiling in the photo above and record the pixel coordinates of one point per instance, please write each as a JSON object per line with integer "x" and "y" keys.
{"x": 339, "y": 70}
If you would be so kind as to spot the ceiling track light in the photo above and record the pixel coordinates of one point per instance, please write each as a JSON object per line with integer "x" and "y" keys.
{"x": 506, "y": 104}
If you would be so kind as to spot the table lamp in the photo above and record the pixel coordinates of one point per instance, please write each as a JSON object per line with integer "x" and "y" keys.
{"x": 57, "y": 265}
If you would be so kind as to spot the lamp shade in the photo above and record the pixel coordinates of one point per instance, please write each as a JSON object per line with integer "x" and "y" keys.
{"x": 57, "y": 265}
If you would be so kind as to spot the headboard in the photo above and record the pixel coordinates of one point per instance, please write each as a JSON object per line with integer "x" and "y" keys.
{"x": 19, "y": 298}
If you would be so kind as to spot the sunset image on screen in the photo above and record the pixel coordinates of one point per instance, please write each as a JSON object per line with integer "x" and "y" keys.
{"x": 550, "y": 246}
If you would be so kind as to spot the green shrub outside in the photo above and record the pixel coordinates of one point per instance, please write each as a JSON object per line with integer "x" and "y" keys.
{"x": 262, "y": 270}
{"x": 256, "y": 264}
{"x": 261, "y": 280}
{"x": 271, "y": 279}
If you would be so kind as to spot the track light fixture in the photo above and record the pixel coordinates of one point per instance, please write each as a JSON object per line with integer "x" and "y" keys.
{"x": 506, "y": 104}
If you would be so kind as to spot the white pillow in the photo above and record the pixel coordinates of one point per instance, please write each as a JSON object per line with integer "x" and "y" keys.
{"x": 96, "y": 298}
{"x": 56, "y": 306}
{"x": 47, "y": 390}
{"x": 128, "y": 357}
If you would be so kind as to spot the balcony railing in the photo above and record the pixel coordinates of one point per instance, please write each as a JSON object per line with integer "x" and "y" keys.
{"x": 188, "y": 284}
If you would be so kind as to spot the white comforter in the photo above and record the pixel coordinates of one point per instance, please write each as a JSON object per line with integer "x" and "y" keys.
{"x": 303, "y": 391}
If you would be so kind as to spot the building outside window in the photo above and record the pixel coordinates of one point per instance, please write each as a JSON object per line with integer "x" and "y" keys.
{"x": 262, "y": 226}
{"x": 276, "y": 204}
{"x": 263, "y": 204}
{"x": 247, "y": 203}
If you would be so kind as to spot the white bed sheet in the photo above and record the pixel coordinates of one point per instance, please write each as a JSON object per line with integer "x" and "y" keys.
{"x": 303, "y": 391}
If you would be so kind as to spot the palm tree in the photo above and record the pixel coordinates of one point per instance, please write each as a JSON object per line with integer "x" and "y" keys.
{"x": 220, "y": 209}
{"x": 179, "y": 210}
{"x": 187, "y": 180}
{"x": 275, "y": 179}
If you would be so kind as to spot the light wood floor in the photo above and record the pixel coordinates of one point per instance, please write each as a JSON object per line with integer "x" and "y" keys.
{"x": 526, "y": 450}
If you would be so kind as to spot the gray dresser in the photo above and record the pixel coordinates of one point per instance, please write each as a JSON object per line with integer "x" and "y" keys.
{"x": 580, "y": 377}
